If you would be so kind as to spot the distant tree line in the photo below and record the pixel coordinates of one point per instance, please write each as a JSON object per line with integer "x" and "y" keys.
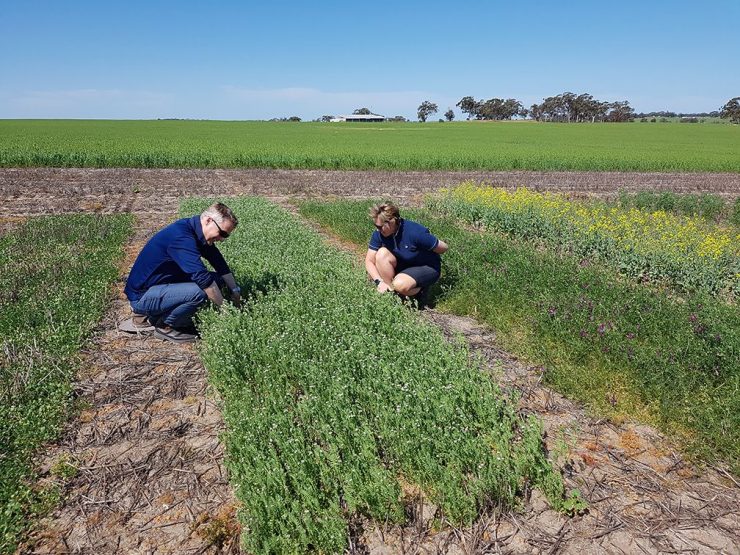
{"x": 665, "y": 114}
{"x": 566, "y": 107}
{"x": 731, "y": 110}
{"x": 492, "y": 109}
{"x": 572, "y": 108}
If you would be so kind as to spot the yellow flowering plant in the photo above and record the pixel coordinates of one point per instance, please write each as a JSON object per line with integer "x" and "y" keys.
{"x": 685, "y": 251}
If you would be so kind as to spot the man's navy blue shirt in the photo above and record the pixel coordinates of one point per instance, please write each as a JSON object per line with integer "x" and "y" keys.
{"x": 173, "y": 255}
{"x": 412, "y": 245}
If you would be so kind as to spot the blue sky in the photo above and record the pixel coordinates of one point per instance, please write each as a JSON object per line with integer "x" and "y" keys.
{"x": 258, "y": 60}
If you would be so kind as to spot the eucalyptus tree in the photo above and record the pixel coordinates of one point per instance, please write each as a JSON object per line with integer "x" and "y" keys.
{"x": 426, "y": 109}
{"x": 731, "y": 110}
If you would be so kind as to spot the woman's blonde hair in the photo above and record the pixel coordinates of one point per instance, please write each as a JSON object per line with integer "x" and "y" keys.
{"x": 387, "y": 212}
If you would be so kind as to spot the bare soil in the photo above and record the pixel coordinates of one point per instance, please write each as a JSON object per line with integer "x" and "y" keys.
{"x": 150, "y": 465}
{"x": 30, "y": 191}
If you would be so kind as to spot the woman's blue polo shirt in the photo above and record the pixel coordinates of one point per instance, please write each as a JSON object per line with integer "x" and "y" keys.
{"x": 412, "y": 245}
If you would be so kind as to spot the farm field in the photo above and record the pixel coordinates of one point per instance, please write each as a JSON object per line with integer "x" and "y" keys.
{"x": 626, "y": 351}
{"x": 660, "y": 147}
{"x": 162, "y": 492}
{"x": 325, "y": 424}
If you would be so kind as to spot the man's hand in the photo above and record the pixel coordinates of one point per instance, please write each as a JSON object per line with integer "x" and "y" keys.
{"x": 236, "y": 298}
{"x": 383, "y": 287}
{"x": 214, "y": 294}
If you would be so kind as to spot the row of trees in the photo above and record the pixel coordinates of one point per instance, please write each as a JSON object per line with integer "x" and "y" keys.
{"x": 731, "y": 110}
{"x": 569, "y": 107}
{"x": 666, "y": 114}
{"x": 565, "y": 107}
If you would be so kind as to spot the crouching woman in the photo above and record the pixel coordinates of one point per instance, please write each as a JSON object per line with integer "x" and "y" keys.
{"x": 403, "y": 256}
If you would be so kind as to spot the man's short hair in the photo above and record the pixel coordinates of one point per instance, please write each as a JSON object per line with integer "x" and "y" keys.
{"x": 220, "y": 212}
{"x": 386, "y": 211}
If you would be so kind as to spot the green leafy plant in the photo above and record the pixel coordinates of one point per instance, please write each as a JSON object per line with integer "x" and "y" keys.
{"x": 574, "y": 504}
{"x": 335, "y": 396}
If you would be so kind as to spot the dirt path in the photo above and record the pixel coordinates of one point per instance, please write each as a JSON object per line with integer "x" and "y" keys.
{"x": 30, "y": 191}
{"x": 151, "y": 477}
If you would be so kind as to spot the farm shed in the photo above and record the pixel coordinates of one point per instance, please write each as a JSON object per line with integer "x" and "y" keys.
{"x": 363, "y": 118}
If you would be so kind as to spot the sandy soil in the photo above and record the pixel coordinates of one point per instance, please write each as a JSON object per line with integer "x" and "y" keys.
{"x": 151, "y": 476}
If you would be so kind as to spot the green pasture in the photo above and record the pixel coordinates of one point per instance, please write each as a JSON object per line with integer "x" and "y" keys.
{"x": 524, "y": 145}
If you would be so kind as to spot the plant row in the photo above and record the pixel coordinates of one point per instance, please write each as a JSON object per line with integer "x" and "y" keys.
{"x": 55, "y": 276}
{"x": 687, "y": 252}
{"x": 625, "y": 350}
{"x": 387, "y": 146}
{"x": 339, "y": 401}
{"x": 708, "y": 206}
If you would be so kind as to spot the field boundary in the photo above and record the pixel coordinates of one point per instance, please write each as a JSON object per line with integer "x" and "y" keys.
{"x": 31, "y": 191}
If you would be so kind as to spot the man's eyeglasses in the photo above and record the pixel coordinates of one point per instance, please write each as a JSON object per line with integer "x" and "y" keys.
{"x": 221, "y": 232}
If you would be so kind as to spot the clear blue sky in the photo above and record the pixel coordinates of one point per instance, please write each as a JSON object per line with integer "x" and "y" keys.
{"x": 258, "y": 60}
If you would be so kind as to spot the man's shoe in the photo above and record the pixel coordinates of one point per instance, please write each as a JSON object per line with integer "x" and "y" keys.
{"x": 136, "y": 324}
{"x": 422, "y": 298}
{"x": 174, "y": 334}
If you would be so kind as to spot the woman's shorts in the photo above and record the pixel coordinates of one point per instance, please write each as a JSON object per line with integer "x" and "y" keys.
{"x": 423, "y": 275}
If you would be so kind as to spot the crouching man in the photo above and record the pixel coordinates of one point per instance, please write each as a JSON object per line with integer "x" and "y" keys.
{"x": 168, "y": 281}
{"x": 403, "y": 256}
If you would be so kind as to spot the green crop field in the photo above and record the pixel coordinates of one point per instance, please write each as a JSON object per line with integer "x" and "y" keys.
{"x": 400, "y": 146}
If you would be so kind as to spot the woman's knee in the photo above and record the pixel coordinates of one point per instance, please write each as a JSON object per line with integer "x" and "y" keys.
{"x": 404, "y": 284}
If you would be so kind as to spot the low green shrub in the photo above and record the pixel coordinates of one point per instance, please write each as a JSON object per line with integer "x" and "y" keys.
{"x": 708, "y": 206}
{"x": 735, "y": 216}
{"x": 336, "y": 397}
